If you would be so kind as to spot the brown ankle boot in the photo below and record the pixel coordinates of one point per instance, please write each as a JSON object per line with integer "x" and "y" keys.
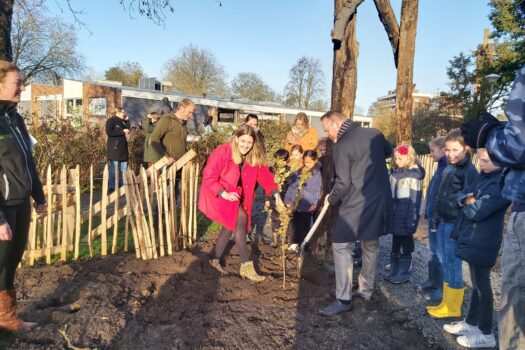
{"x": 216, "y": 264}
{"x": 8, "y": 319}
{"x": 248, "y": 271}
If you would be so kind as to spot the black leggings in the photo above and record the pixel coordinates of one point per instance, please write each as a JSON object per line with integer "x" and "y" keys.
{"x": 405, "y": 242}
{"x": 18, "y": 218}
{"x": 239, "y": 235}
{"x": 481, "y": 300}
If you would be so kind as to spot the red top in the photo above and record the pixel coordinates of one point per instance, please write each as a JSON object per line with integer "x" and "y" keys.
{"x": 221, "y": 173}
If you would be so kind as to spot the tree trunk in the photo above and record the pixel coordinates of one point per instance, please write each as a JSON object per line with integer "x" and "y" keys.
{"x": 405, "y": 70}
{"x": 6, "y": 15}
{"x": 344, "y": 79}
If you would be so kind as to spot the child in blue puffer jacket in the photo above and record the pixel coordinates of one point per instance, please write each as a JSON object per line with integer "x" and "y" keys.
{"x": 478, "y": 233}
{"x": 432, "y": 287}
{"x": 406, "y": 183}
{"x": 309, "y": 196}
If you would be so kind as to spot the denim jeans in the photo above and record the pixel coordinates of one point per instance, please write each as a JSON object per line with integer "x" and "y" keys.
{"x": 432, "y": 244}
{"x": 446, "y": 252}
{"x": 512, "y": 306}
{"x": 122, "y": 166}
{"x": 481, "y": 300}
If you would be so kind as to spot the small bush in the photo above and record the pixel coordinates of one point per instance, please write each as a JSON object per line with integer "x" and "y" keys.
{"x": 84, "y": 145}
{"x": 274, "y": 136}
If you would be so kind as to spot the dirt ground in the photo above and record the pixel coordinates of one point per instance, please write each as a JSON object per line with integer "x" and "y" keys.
{"x": 180, "y": 302}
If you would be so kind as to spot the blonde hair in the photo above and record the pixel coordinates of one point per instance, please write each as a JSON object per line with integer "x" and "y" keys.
{"x": 116, "y": 110}
{"x": 438, "y": 142}
{"x": 410, "y": 153}
{"x": 302, "y": 117}
{"x": 482, "y": 150}
{"x": 256, "y": 156}
{"x": 185, "y": 103}
{"x": 6, "y": 67}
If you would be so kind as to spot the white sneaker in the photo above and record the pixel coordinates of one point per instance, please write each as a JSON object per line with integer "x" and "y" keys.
{"x": 293, "y": 247}
{"x": 387, "y": 267}
{"x": 477, "y": 340}
{"x": 461, "y": 328}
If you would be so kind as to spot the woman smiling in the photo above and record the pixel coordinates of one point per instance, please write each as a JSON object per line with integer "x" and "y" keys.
{"x": 227, "y": 192}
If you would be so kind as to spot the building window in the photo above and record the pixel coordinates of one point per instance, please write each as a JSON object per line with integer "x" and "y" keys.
{"x": 98, "y": 106}
{"x": 73, "y": 107}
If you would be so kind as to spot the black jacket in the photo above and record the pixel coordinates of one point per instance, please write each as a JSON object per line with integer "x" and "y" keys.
{"x": 479, "y": 228}
{"x": 117, "y": 146}
{"x": 361, "y": 184}
{"x": 455, "y": 178}
{"x": 432, "y": 191}
{"x": 18, "y": 175}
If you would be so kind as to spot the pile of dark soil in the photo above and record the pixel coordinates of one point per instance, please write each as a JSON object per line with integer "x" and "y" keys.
{"x": 180, "y": 302}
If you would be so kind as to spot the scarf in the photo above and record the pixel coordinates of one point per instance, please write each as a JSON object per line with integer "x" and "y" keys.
{"x": 344, "y": 128}
{"x": 298, "y": 133}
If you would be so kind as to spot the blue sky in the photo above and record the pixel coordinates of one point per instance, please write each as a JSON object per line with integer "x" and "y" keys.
{"x": 268, "y": 36}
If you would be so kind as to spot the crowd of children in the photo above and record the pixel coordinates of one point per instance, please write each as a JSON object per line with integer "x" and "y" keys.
{"x": 465, "y": 212}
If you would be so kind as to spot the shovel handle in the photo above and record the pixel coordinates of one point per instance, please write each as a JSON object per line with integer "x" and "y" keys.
{"x": 315, "y": 225}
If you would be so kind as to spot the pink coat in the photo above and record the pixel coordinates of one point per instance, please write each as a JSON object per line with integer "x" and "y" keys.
{"x": 221, "y": 173}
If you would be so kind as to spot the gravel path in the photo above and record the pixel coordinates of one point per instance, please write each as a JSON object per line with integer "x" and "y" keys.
{"x": 412, "y": 304}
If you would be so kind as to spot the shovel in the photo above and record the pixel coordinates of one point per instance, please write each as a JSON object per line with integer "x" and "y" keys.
{"x": 309, "y": 236}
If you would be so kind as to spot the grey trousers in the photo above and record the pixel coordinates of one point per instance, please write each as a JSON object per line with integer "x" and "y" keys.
{"x": 344, "y": 268}
{"x": 512, "y": 308}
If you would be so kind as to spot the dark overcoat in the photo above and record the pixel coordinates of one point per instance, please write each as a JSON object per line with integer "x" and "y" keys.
{"x": 361, "y": 185}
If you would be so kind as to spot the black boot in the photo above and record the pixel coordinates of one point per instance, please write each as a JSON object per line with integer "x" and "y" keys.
{"x": 357, "y": 253}
{"x": 402, "y": 275}
{"x": 434, "y": 281}
{"x": 394, "y": 266}
{"x": 435, "y": 295}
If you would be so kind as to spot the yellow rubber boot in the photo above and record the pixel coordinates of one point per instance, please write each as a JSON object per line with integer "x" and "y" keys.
{"x": 452, "y": 306}
{"x": 440, "y": 305}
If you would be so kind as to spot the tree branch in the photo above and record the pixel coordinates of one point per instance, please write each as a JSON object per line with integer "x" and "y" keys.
{"x": 388, "y": 18}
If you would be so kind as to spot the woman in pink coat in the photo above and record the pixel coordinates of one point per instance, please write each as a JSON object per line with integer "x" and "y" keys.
{"x": 227, "y": 192}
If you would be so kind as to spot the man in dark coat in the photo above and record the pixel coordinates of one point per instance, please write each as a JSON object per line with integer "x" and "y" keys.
{"x": 362, "y": 189}
{"x": 165, "y": 108}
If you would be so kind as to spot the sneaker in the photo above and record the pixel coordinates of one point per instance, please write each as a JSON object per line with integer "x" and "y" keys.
{"x": 461, "y": 328}
{"x": 293, "y": 248}
{"x": 477, "y": 340}
{"x": 387, "y": 267}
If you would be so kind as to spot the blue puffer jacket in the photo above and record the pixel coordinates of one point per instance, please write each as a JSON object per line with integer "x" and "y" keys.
{"x": 455, "y": 178}
{"x": 310, "y": 193}
{"x": 432, "y": 190}
{"x": 506, "y": 145}
{"x": 479, "y": 228}
{"x": 407, "y": 192}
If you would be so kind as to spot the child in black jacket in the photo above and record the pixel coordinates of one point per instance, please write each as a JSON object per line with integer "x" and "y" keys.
{"x": 478, "y": 232}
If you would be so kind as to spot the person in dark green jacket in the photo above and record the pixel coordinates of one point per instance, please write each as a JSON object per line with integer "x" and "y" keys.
{"x": 169, "y": 136}
{"x": 150, "y": 155}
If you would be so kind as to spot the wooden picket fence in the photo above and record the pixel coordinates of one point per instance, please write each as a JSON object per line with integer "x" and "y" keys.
{"x": 146, "y": 203}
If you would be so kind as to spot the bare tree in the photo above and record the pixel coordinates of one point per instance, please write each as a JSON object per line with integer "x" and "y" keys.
{"x": 128, "y": 73}
{"x": 44, "y": 48}
{"x": 154, "y": 10}
{"x": 346, "y": 51}
{"x": 403, "y": 41}
{"x": 196, "y": 72}
{"x": 306, "y": 83}
{"x": 251, "y": 86}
